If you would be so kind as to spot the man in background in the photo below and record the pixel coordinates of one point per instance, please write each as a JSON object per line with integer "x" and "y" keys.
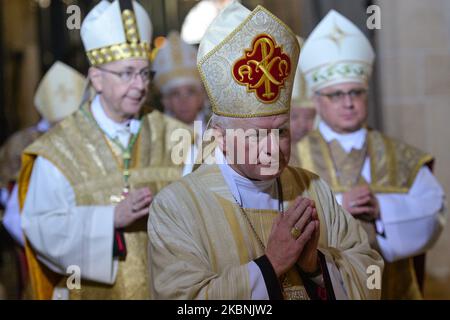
{"x": 86, "y": 186}
{"x": 177, "y": 78}
{"x": 303, "y": 112}
{"x": 58, "y": 95}
{"x": 384, "y": 183}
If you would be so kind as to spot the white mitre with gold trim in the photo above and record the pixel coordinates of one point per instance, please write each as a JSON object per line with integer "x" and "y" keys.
{"x": 116, "y": 31}
{"x": 247, "y": 62}
{"x": 175, "y": 64}
{"x": 336, "y": 52}
{"x": 59, "y": 93}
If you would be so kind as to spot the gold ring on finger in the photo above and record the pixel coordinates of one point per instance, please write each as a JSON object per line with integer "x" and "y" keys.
{"x": 295, "y": 232}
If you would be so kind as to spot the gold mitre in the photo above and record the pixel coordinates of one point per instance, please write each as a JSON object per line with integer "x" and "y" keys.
{"x": 300, "y": 97}
{"x": 116, "y": 31}
{"x": 247, "y": 62}
{"x": 59, "y": 93}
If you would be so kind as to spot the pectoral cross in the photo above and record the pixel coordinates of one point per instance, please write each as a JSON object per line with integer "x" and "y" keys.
{"x": 115, "y": 200}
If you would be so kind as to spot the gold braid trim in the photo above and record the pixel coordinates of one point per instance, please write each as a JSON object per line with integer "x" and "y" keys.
{"x": 133, "y": 48}
{"x": 119, "y": 52}
{"x": 393, "y": 165}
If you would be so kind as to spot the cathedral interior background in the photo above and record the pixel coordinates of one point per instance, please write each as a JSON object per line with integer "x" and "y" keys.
{"x": 410, "y": 90}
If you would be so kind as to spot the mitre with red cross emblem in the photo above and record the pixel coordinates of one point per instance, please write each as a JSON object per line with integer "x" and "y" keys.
{"x": 247, "y": 62}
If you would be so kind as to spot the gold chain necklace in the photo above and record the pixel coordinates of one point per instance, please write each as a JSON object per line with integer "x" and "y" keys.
{"x": 284, "y": 280}
{"x": 289, "y": 291}
{"x": 247, "y": 219}
{"x": 126, "y": 158}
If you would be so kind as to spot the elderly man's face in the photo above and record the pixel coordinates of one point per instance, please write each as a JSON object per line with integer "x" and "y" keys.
{"x": 184, "y": 102}
{"x": 123, "y": 86}
{"x": 302, "y": 122}
{"x": 343, "y": 106}
{"x": 261, "y": 149}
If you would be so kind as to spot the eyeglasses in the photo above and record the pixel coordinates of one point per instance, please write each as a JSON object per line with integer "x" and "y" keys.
{"x": 129, "y": 75}
{"x": 339, "y": 96}
{"x": 181, "y": 95}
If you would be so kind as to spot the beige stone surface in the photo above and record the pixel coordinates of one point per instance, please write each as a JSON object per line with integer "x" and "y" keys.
{"x": 398, "y": 121}
{"x": 437, "y": 74}
{"x": 405, "y": 82}
{"x": 416, "y": 24}
{"x": 414, "y": 74}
